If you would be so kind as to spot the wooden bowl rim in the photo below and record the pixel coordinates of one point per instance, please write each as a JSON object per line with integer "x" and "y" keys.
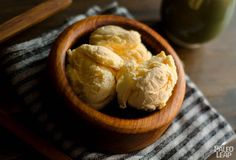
{"x": 131, "y": 126}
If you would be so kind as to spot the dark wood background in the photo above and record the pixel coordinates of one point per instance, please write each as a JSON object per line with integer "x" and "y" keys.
{"x": 212, "y": 67}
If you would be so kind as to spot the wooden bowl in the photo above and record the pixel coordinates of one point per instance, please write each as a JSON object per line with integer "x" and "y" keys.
{"x": 106, "y": 132}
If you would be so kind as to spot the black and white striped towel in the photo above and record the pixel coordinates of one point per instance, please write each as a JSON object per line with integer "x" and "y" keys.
{"x": 192, "y": 135}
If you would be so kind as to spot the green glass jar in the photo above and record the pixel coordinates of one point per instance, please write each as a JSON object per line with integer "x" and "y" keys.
{"x": 190, "y": 23}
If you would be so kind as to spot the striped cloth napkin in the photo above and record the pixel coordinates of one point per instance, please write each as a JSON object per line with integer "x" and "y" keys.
{"x": 192, "y": 135}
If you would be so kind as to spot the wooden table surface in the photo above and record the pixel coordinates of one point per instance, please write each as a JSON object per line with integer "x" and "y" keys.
{"x": 212, "y": 67}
